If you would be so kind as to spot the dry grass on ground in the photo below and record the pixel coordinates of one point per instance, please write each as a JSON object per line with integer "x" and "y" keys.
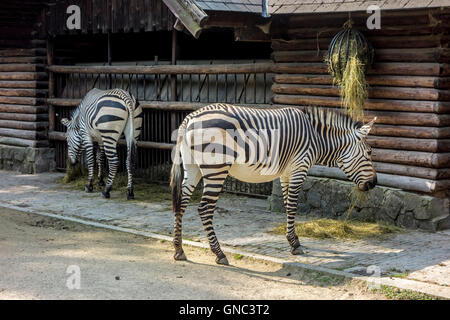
{"x": 338, "y": 229}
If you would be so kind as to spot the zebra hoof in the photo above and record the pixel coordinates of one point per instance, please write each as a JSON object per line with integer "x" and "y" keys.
{"x": 106, "y": 195}
{"x": 297, "y": 251}
{"x": 89, "y": 188}
{"x": 222, "y": 261}
{"x": 101, "y": 183}
{"x": 130, "y": 195}
{"x": 180, "y": 256}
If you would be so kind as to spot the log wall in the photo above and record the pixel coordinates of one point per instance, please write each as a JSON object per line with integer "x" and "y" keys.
{"x": 409, "y": 88}
{"x": 23, "y": 89}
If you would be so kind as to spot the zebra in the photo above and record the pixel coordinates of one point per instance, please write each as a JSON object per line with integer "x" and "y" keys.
{"x": 102, "y": 117}
{"x": 259, "y": 145}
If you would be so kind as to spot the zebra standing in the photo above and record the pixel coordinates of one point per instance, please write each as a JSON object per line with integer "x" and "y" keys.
{"x": 260, "y": 145}
{"x": 102, "y": 117}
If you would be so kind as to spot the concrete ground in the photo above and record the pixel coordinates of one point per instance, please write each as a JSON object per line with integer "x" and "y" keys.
{"x": 414, "y": 259}
{"x": 41, "y": 256}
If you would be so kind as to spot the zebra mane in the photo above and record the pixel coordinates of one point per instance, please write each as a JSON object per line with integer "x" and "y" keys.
{"x": 331, "y": 118}
{"x": 74, "y": 116}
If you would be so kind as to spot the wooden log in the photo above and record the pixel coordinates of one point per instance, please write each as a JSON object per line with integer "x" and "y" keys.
{"x": 22, "y": 52}
{"x": 23, "y": 134}
{"x": 23, "y": 84}
{"x": 22, "y": 108}
{"x": 11, "y": 141}
{"x": 22, "y": 92}
{"x": 60, "y": 136}
{"x": 381, "y": 55}
{"x": 35, "y": 60}
{"x": 24, "y": 116}
{"x": 414, "y": 41}
{"x": 425, "y": 145}
{"x": 429, "y": 94}
{"x": 413, "y": 158}
{"x": 392, "y": 81}
{"x": 168, "y": 69}
{"x": 23, "y": 75}
{"x": 376, "y": 104}
{"x": 21, "y": 100}
{"x": 412, "y": 171}
{"x": 388, "y": 180}
{"x": 386, "y": 68}
{"x": 21, "y": 67}
{"x": 410, "y": 131}
{"x": 23, "y": 125}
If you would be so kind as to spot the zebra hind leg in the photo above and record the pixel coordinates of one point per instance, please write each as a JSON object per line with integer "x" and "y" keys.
{"x": 192, "y": 177}
{"x": 113, "y": 163}
{"x": 130, "y": 168}
{"x": 211, "y": 189}
{"x": 101, "y": 165}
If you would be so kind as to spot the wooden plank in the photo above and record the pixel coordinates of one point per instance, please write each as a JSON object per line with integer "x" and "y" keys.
{"x": 386, "y": 68}
{"x": 11, "y": 108}
{"x": 23, "y": 75}
{"x": 378, "y": 92}
{"x": 23, "y": 134}
{"x": 22, "y": 52}
{"x": 374, "y": 104}
{"x": 388, "y": 180}
{"x": 414, "y": 158}
{"x": 22, "y": 92}
{"x": 411, "y": 131}
{"x": 393, "y": 81}
{"x": 168, "y": 69}
{"x": 21, "y": 67}
{"x": 381, "y": 55}
{"x": 21, "y": 100}
{"x": 23, "y": 84}
{"x": 414, "y": 144}
{"x": 412, "y": 171}
{"x": 23, "y": 125}
{"x": 23, "y": 116}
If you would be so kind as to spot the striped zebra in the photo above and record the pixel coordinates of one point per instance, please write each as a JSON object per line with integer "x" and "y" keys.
{"x": 260, "y": 145}
{"x": 102, "y": 117}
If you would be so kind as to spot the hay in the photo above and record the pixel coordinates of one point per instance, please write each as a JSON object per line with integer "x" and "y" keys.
{"x": 348, "y": 59}
{"x": 74, "y": 172}
{"x": 338, "y": 229}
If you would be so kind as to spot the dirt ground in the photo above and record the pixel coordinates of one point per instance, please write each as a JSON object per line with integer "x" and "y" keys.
{"x": 36, "y": 252}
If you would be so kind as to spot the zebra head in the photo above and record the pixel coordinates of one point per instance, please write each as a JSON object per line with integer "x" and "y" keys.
{"x": 73, "y": 136}
{"x": 355, "y": 158}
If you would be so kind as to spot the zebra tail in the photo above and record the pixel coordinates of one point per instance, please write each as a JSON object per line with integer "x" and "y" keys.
{"x": 176, "y": 177}
{"x": 131, "y": 140}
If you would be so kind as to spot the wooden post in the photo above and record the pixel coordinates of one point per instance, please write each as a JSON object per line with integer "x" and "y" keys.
{"x": 173, "y": 84}
{"x": 109, "y": 57}
{"x": 51, "y": 84}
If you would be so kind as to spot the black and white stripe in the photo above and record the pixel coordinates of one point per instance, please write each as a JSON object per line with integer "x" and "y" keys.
{"x": 102, "y": 117}
{"x": 260, "y": 145}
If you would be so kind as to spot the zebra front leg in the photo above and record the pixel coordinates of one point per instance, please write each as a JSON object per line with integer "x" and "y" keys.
{"x": 100, "y": 164}
{"x": 291, "y": 199}
{"x": 211, "y": 189}
{"x": 191, "y": 178}
{"x": 113, "y": 163}
{"x": 91, "y": 164}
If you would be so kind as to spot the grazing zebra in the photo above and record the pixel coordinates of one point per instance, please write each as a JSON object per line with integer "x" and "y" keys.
{"x": 260, "y": 145}
{"x": 102, "y": 117}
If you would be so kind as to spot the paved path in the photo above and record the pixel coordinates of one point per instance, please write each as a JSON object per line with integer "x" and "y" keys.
{"x": 240, "y": 223}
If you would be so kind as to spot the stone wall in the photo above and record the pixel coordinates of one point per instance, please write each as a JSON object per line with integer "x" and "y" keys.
{"x": 330, "y": 198}
{"x": 27, "y": 159}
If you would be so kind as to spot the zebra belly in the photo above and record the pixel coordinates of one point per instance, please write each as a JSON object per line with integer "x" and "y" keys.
{"x": 247, "y": 173}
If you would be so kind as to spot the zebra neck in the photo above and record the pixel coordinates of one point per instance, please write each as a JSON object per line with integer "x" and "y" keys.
{"x": 326, "y": 147}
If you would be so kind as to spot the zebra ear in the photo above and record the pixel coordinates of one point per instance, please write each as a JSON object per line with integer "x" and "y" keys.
{"x": 65, "y": 121}
{"x": 365, "y": 129}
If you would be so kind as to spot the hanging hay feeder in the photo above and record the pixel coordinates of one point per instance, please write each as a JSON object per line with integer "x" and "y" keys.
{"x": 349, "y": 57}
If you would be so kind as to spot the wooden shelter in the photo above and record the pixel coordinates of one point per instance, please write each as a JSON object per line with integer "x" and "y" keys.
{"x": 178, "y": 55}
